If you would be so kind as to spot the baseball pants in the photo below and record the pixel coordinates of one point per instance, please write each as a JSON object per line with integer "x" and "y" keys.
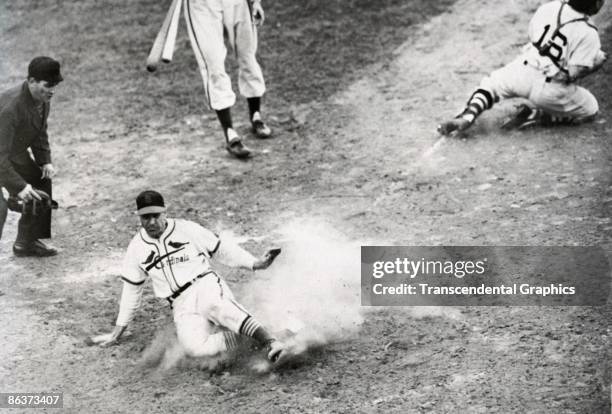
{"x": 519, "y": 79}
{"x": 33, "y": 227}
{"x": 209, "y": 22}
{"x": 206, "y": 304}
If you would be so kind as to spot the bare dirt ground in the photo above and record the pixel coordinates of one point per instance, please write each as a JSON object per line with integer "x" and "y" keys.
{"x": 355, "y": 92}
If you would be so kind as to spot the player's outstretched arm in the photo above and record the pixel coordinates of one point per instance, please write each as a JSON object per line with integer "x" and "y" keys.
{"x": 232, "y": 254}
{"x": 130, "y": 301}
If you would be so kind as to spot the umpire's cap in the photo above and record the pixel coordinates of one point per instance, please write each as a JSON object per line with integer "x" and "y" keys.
{"x": 43, "y": 68}
{"x": 150, "y": 202}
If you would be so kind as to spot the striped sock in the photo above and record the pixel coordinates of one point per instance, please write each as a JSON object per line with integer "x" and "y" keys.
{"x": 231, "y": 340}
{"x": 480, "y": 101}
{"x": 250, "y": 327}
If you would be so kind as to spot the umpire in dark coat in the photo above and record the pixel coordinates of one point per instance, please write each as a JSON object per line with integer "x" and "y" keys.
{"x": 23, "y": 126}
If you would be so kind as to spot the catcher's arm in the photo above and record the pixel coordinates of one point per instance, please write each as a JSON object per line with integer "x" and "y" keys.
{"x": 578, "y": 72}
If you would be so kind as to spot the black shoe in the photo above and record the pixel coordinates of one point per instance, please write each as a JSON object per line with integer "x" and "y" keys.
{"x": 33, "y": 249}
{"x": 237, "y": 149}
{"x": 261, "y": 130}
{"x": 457, "y": 124}
{"x": 523, "y": 118}
{"x": 276, "y": 350}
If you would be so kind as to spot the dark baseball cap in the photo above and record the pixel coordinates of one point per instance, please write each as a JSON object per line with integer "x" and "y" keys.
{"x": 150, "y": 202}
{"x": 44, "y": 68}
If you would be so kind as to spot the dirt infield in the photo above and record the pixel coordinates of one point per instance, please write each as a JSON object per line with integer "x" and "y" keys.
{"x": 356, "y": 89}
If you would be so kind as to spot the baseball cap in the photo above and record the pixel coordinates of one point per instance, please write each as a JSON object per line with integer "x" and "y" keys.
{"x": 150, "y": 202}
{"x": 46, "y": 69}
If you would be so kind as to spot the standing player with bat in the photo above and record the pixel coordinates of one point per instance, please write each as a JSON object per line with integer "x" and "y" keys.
{"x": 209, "y": 23}
{"x": 176, "y": 255}
{"x": 564, "y": 47}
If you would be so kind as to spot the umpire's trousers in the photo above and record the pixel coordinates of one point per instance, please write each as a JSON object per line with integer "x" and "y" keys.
{"x": 32, "y": 227}
{"x": 3, "y": 211}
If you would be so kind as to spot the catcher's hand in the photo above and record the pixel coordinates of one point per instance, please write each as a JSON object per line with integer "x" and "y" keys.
{"x": 267, "y": 259}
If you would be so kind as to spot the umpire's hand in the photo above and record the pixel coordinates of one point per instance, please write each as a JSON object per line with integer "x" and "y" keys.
{"x": 28, "y": 193}
{"x": 266, "y": 260}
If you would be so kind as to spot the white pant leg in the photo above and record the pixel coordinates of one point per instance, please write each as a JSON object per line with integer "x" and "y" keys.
{"x": 208, "y": 302}
{"x": 511, "y": 81}
{"x": 519, "y": 80}
{"x": 205, "y": 27}
{"x": 243, "y": 39}
{"x": 562, "y": 100}
{"x": 227, "y": 312}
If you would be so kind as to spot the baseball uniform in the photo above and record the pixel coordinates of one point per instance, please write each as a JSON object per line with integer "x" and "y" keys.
{"x": 208, "y": 22}
{"x": 178, "y": 264}
{"x": 560, "y": 38}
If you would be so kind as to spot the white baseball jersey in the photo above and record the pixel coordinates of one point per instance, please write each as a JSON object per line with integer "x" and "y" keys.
{"x": 561, "y": 37}
{"x": 180, "y": 254}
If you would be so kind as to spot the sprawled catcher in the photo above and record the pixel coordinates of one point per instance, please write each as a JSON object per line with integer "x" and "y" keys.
{"x": 564, "y": 47}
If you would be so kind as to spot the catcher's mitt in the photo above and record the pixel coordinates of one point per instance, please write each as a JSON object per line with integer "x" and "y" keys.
{"x": 33, "y": 207}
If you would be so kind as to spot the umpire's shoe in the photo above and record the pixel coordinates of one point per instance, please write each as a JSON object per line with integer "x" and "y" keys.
{"x": 260, "y": 129}
{"x": 34, "y": 249}
{"x": 235, "y": 146}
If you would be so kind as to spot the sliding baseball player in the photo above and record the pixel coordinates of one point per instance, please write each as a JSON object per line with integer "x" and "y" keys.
{"x": 175, "y": 254}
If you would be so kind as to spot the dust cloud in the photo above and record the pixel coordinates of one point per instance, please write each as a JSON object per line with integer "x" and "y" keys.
{"x": 313, "y": 287}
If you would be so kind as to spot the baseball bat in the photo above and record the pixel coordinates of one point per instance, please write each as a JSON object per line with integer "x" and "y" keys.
{"x": 168, "y": 49}
{"x": 157, "y": 49}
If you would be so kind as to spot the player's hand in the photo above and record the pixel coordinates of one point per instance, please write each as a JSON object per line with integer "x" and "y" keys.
{"x": 106, "y": 339}
{"x": 266, "y": 260}
{"x": 258, "y": 13}
{"x": 48, "y": 171}
{"x": 102, "y": 340}
{"x": 600, "y": 59}
{"x": 28, "y": 194}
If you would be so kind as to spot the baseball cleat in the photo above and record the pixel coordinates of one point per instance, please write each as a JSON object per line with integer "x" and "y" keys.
{"x": 457, "y": 124}
{"x": 260, "y": 129}
{"x": 237, "y": 149}
{"x": 276, "y": 351}
{"x": 524, "y": 117}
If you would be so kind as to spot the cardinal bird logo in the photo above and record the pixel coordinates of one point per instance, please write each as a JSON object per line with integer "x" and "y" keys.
{"x": 177, "y": 245}
{"x": 150, "y": 258}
